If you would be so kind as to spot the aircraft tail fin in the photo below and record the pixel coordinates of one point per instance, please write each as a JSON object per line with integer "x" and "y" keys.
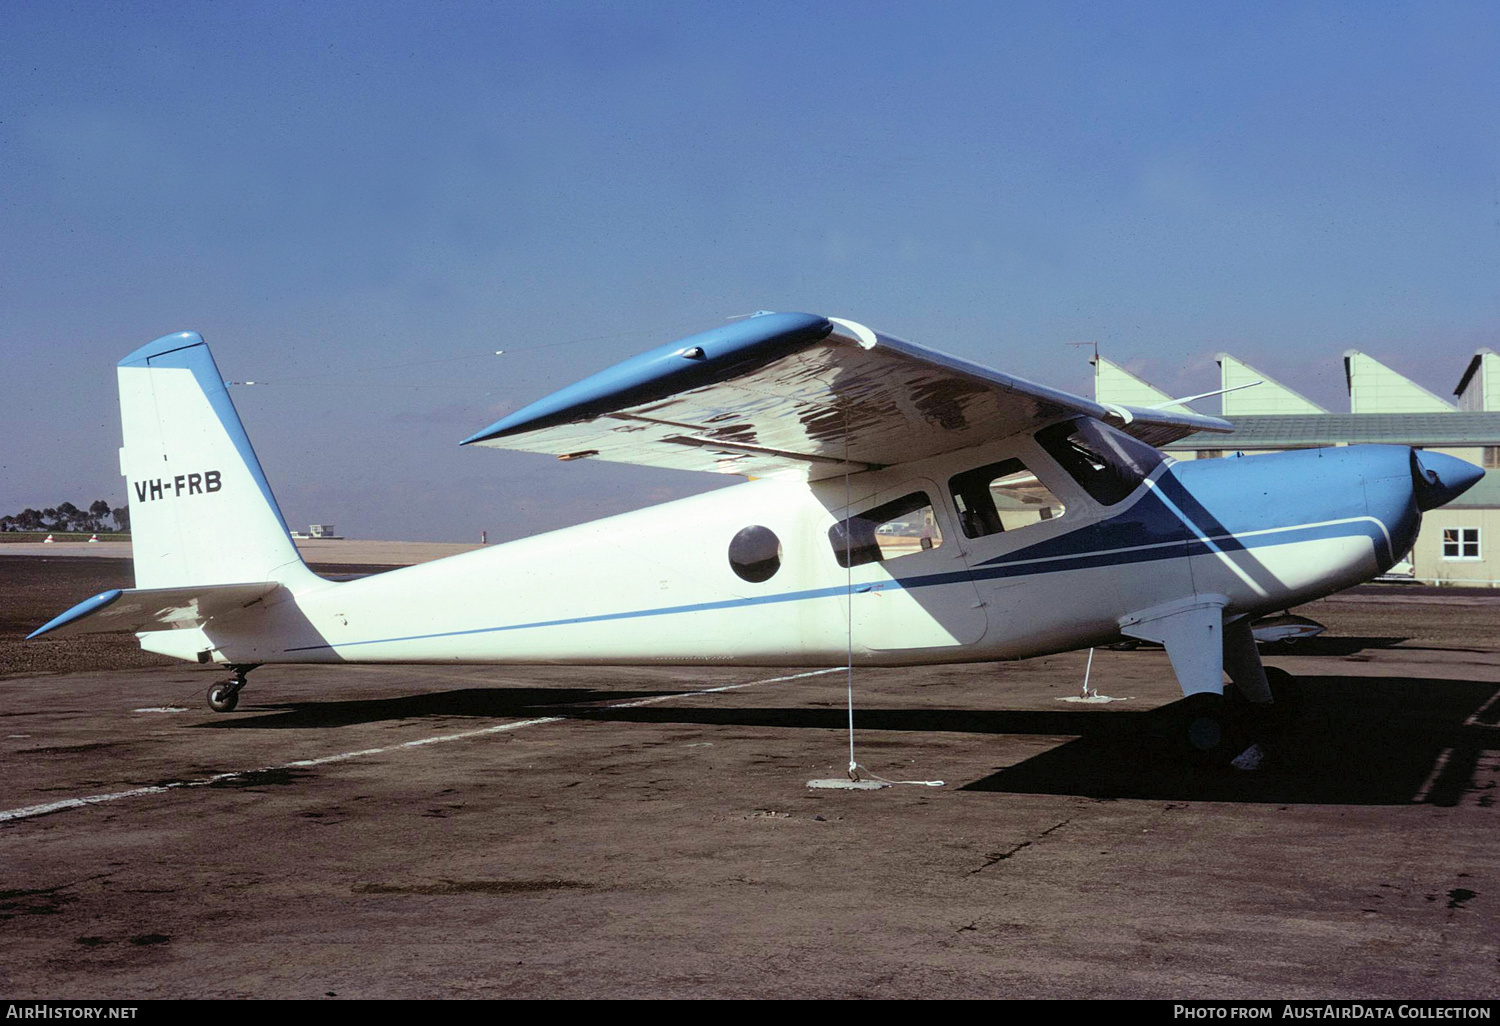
{"x": 201, "y": 511}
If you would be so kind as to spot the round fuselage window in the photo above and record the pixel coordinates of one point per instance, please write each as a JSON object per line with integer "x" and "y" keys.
{"x": 755, "y": 554}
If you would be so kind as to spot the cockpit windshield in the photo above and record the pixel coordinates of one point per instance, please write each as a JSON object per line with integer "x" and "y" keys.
{"x": 1109, "y": 464}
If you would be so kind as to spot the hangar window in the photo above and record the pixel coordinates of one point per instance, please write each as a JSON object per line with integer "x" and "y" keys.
{"x": 1461, "y": 543}
{"x": 889, "y": 531}
{"x": 755, "y": 554}
{"x": 1000, "y": 497}
{"x": 1109, "y": 464}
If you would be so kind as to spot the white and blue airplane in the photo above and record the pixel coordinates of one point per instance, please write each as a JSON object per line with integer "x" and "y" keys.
{"x": 903, "y": 507}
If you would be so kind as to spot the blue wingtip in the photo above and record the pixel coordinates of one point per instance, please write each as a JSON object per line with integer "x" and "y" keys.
{"x": 701, "y": 359}
{"x": 78, "y": 612}
{"x": 165, "y": 344}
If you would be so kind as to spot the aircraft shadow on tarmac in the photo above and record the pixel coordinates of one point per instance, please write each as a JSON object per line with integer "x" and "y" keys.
{"x": 1356, "y": 740}
{"x": 478, "y": 702}
{"x": 1322, "y": 645}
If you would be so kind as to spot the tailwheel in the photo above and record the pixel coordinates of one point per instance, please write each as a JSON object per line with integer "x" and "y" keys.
{"x": 225, "y": 695}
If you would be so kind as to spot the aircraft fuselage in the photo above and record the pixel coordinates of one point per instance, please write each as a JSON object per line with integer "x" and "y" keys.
{"x": 940, "y": 583}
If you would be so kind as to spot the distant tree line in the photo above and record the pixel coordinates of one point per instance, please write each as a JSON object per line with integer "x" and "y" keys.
{"x": 68, "y": 517}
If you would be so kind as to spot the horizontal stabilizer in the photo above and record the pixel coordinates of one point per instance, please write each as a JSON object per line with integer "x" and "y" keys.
{"x": 155, "y": 609}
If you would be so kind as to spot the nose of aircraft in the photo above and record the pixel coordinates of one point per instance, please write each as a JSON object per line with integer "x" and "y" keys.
{"x": 1439, "y": 479}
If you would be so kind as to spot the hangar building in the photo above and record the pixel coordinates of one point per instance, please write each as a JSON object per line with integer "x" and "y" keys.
{"x": 1460, "y": 543}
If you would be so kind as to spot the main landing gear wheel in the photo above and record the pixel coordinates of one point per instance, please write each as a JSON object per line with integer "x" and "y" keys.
{"x": 1269, "y": 722}
{"x": 225, "y": 695}
{"x": 1208, "y": 730}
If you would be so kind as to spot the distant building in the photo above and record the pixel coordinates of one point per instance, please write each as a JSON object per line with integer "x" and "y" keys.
{"x": 1459, "y": 542}
{"x": 324, "y": 531}
{"x": 1479, "y": 389}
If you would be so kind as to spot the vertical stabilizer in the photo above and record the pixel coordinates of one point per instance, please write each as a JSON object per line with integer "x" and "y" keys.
{"x": 201, "y": 511}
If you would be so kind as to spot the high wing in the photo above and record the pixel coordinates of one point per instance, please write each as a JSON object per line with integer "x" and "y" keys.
{"x": 792, "y": 394}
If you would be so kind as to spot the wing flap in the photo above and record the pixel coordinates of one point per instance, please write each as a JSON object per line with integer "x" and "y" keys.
{"x": 155, "y": 609}
{"x": 798, "y": 395}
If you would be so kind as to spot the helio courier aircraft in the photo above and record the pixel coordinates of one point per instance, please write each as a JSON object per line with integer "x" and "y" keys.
{"x": 904, "y": 507}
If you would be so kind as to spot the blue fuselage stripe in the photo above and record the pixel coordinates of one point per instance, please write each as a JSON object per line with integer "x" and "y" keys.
{"x": 1017, "y": 564}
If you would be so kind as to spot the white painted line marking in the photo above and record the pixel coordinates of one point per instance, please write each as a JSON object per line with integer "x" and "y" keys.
{"x": 1481, "y": 717}
{"x": 1432, "y": 778}
{"x": 100, "y": 799}
{"x": 726, "y": 687}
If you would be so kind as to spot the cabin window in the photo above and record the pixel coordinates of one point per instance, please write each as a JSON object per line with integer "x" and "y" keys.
{"x": 1461, "y": 543}
{"x": 889, "y": 531}
{"x": 1001, "y": 497}
{"x": 1109, "y": 464}
{"x": 755, "y": 554}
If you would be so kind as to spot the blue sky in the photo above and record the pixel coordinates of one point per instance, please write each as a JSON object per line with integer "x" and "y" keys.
{"x": 359, "y": 202}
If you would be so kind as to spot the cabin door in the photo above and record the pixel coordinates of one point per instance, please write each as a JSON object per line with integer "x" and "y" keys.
{"x": 909, "y": 584}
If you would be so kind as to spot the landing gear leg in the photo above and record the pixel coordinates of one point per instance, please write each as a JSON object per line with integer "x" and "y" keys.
{"x": 1286, "y": 694}
{"x": 1268, "y": 695}
{"x": 225, "y": 695}
{"x": 1203, "y": 725}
